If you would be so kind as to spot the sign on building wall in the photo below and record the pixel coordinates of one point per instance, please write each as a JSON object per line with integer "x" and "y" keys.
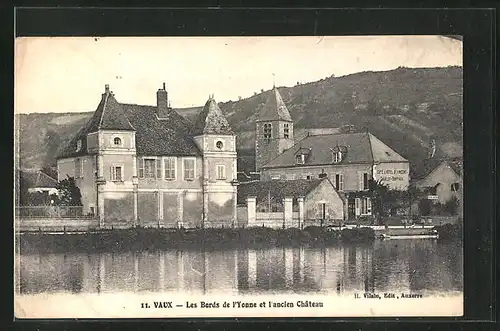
{"x": 395, "y": 175}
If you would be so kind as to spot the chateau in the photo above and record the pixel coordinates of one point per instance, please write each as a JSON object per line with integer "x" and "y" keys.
{"x": 140, "y": 164}
{"x": 349, "y": 160}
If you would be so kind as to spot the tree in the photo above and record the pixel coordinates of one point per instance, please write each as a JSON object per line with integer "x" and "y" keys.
{"x": 69, "y": 193}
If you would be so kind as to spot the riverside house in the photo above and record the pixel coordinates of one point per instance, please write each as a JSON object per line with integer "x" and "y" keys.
{"x": 149, "y": 166}
{"x": 349, "y": 160}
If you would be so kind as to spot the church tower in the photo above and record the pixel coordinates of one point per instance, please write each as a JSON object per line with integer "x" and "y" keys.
{"x": 217, "y": 143}
{"x": 273, "y": 129}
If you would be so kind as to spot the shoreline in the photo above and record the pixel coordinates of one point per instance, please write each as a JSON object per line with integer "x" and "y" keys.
{"x": 139, "y": 239}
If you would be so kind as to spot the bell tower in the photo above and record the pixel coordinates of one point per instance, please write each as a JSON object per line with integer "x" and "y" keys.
{"x": 273, "y": 129}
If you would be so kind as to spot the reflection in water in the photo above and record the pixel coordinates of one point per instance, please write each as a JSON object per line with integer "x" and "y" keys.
{"x": 398, "y": 265}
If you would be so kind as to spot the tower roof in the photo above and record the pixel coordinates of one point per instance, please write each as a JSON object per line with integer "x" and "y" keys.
{"x": 211, "y": 120}
{"x": 274, "y": 109}
{"x": 109, "y": 115}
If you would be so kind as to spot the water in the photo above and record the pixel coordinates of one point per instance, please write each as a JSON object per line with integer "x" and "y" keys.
{"x": 412, "y": 265}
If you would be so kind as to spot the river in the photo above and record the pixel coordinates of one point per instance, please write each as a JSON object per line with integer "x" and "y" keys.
{"x": 426, "y": 265}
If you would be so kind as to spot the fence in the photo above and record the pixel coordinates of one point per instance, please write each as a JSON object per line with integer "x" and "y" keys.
{"x": 52, "y": 212}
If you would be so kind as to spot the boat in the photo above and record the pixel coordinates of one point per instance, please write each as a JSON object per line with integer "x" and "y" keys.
{"x": 415, "y": 236}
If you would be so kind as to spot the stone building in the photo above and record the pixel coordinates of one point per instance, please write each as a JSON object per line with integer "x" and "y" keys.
{"x": 148, "y": 165}
{"x": 349, "y": 160}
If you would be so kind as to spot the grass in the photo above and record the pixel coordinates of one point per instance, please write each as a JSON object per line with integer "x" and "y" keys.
{"x": 139, "y": 239}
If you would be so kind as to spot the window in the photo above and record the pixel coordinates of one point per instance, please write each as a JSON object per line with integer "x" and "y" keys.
{"x": 117, "y": 173}
{"x": 219, "y": 144}
{"x": 189, "y": 165}
{"x": 169, "y": 165}
{"x": 300, "y": 158}
{"x": 308, "y": 177}
{"x": 286, "y": 131}
{"x": 336, "y": 157}
{"x": 363, "y": 181}
{"x": 363, "y": 206}
{"x": 221, "y": 171}
{"x": 339, "y": 182}
{"x": 78, "y": 145}
{"x": 78, "y": 168}
{"x": 268, "y": 129}
{"x": 455, "y": 187}
{"x": 117, "y": 141}
{"x": 149, "y": 169}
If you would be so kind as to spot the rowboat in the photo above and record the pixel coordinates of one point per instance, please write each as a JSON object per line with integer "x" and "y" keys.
{"x": 415, "y": 236}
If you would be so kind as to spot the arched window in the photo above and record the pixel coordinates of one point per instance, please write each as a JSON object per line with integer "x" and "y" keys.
{"x": 117, "y": 141}
{"x": 219, "y": 144}
{"x": 455, "y": 187}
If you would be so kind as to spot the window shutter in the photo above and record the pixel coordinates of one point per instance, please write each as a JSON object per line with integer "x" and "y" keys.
{"x": 158, "y": 168}
{"x": 369, "y": 205}
{"x": 357, "y": 205}
{"x": 360, "y": 179}
{"x": 111, "y": 174}
{"x": 341, "y": 182}
{"x": 140, "y": 166}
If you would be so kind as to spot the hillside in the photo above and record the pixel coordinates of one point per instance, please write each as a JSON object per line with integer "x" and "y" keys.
{"x": 406, "y": 108}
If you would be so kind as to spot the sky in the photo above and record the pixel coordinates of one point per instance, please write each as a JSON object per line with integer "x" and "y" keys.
{"x": 68, "y": 74}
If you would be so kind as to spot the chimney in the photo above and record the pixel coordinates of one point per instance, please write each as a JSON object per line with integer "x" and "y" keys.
{"x": 162, "y": 105}
{"x": 106, "y": 88}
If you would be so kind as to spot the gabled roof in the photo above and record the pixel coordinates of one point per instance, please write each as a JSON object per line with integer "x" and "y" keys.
{"x": 274, "y": 109}
{"x": 153, "y": 136}
{"x": 276, "y": 189}
{"x": 35, "y": 178}
{"x": 211, "y": 120}
{"x": 361, "y": 148}
{"x": 420, "y": 170}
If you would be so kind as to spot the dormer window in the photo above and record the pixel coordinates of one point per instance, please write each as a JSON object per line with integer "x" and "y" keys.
{"x": 78, "y": 145}
{"x": 338, "y": 153}
{"x": 300, "y": 159}
{"x": 117, "y": 141}
{"x": 268, "y": 129}
{"x": 337, "y": 157}
{"x": 301, "y": 155}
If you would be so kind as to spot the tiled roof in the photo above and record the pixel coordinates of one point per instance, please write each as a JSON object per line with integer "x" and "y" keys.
{"x": 276, "y": 189}
{"x": 361, "y": 148}
{"x": 274, "y": 108}
{"x": 211, "y": 120}
{"x": 422, "y": 169}
{"x": 166, "y": 136}
{"x": 36, "y": 178}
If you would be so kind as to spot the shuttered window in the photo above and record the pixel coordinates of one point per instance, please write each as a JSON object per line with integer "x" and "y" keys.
{"x": 170, "y": 167}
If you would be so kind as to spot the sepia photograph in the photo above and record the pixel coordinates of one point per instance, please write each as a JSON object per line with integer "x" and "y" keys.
{"x": 196, "y": 177}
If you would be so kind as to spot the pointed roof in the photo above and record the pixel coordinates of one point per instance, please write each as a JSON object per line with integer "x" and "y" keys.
{"x": 211, "y": 120}
{"x": 153, "y": 136}
{"x": 109, "y": 116}
{"x": 274, "y": 109}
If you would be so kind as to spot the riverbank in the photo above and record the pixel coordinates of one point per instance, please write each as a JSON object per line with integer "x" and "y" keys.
{"x": 138, "y": 239}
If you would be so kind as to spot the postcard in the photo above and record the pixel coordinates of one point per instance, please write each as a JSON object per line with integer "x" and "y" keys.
{"x": 197, "y": 177}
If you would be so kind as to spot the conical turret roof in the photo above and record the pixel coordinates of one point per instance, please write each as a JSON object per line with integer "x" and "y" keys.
{"x": 274, "y": 109}
{"x": 211, "y": 120}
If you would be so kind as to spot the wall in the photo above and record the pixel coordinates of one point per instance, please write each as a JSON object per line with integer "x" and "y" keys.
{"x": 324, "y": 193}
{"x": 264, "y": 151}
{"x": 242, "y": 216}
{"x": 445, "y": 176}
{"x": 85, "y": 182}
{"x": 118, "y": 206}
{"x": 147, "y": 208}
{"x": 220, "y": 207}
{"x": 55, "y": 224}
{"x": 394, "y": 174}
{"x": 170, "y": 209}
{"x": 350, "y": 173}
{"x": 192, "y": 209}
{"x": 179, "y": 182}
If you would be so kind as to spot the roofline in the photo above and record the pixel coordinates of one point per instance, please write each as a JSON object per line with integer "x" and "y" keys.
{"x": 313, "y": 165}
